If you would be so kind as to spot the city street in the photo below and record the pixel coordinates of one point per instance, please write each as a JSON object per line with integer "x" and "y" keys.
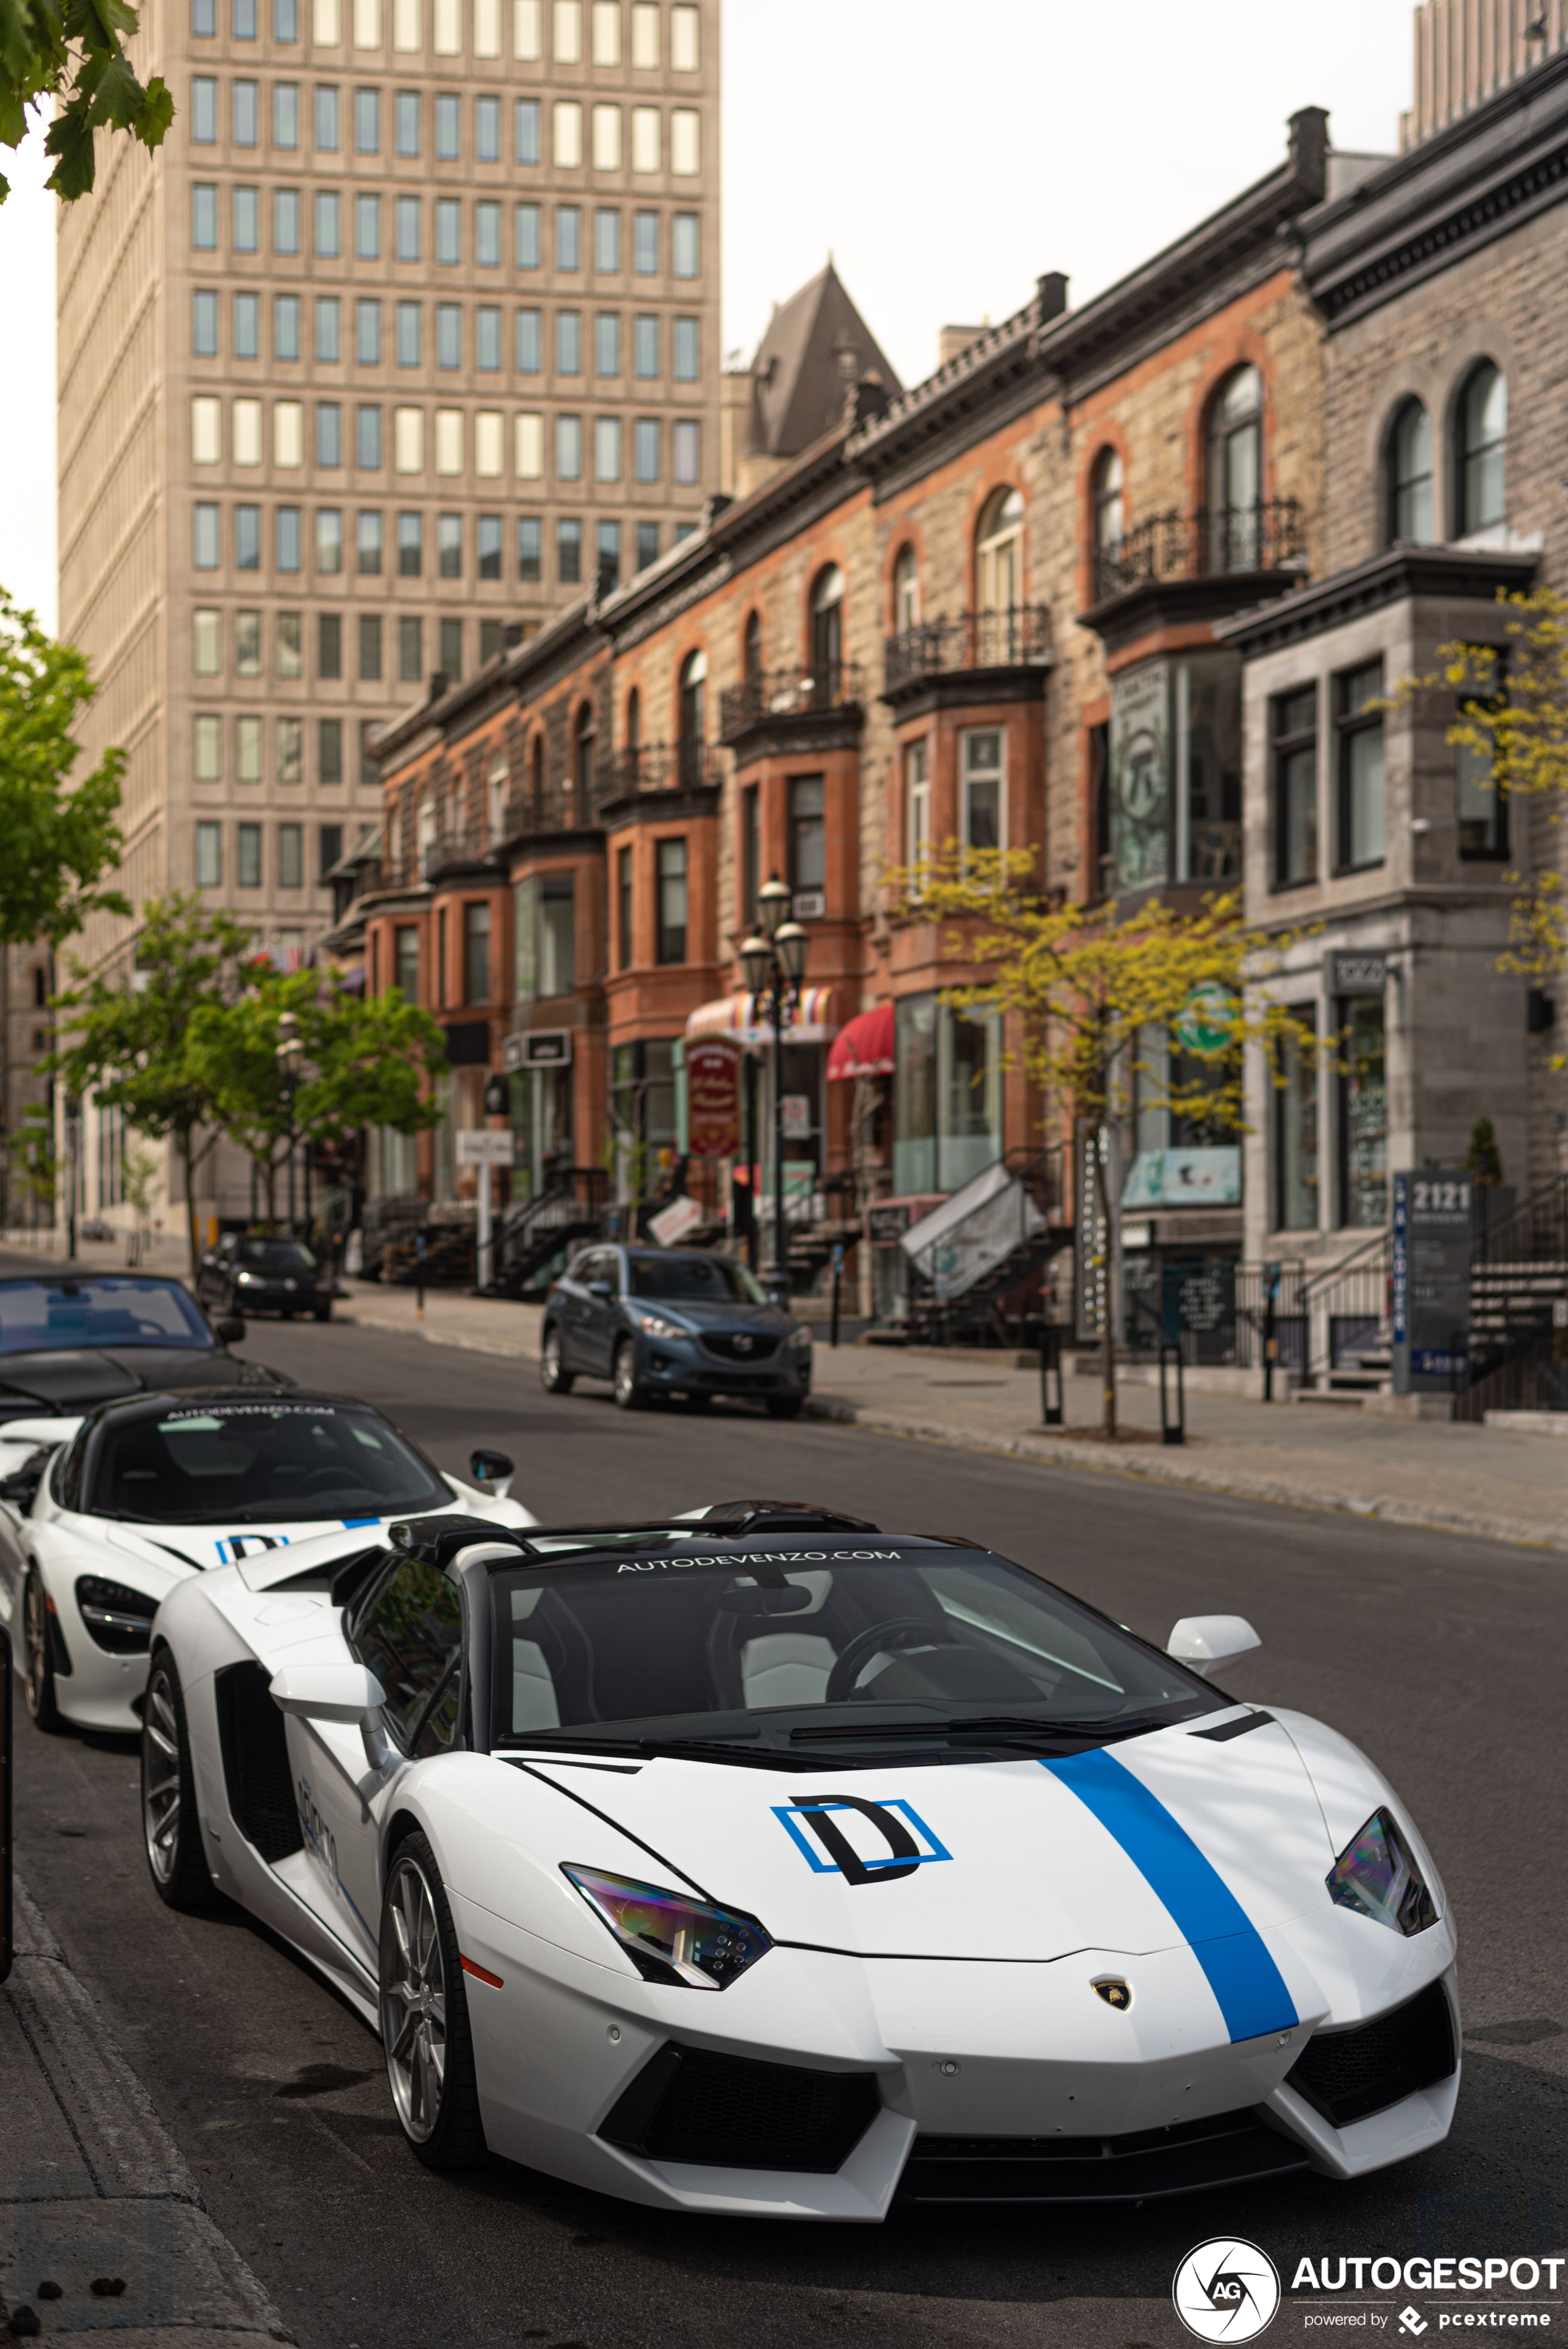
{"x": 1442, "y": 1655}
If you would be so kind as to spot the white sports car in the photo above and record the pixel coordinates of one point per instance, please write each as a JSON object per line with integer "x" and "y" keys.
{"x": 765, "y": 1863}
{"x": 101, "y": 1515}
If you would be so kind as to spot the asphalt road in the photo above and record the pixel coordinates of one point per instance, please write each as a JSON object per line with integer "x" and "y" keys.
{"x": 1444, "y": 1657}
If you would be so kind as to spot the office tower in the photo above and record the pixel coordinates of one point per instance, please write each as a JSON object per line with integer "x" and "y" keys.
{"x": 408, "y": 337}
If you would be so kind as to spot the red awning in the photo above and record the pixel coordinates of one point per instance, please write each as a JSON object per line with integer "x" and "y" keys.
{"x": 864, "y": 1049}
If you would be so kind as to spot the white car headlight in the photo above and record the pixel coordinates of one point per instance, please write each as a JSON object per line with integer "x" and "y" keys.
{"x": 668, "y": 1938}
{"x": 657, "y": 1326}
{"x": 1376, "y": 1875}
{"x": 800, "y": 1336}
{"x": 247, "y": 1279}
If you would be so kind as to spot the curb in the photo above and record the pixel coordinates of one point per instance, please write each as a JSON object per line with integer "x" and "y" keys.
{"x": 1051, "y": 1451}
{"x": 1189, "y": 1475}
{"x": 91, "y": 2182}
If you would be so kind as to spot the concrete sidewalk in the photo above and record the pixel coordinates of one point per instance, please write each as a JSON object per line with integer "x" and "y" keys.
{"x": 93, "y": 2191}
{"x": 1503, "y": 1485}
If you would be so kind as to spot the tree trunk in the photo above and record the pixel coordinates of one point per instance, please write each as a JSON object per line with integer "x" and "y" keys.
{"x": 1108, "y": 1314}
{"x": 184, "y": 1142}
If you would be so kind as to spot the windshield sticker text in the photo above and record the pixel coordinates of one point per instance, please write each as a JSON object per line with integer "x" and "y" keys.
{"x": 864, "y": 1842}
{"x": 743, "y": 1559}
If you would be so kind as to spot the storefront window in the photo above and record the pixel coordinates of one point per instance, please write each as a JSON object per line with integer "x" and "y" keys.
{"x": 546, "y": 932}
{"x": 642, "y": 1115}
{"x": 1363, "y": 1113}
{"x": 1176, "y": 772}
{"x": 541, "y": 1128}
{"x": 1295, "y": 1134}
{"x": 947, "y": 1094}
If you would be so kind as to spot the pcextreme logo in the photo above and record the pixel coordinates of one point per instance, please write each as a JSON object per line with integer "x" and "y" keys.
{"x": 1226, "y": 2289}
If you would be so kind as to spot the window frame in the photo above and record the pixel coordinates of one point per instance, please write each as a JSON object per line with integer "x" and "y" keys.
{"x": 1288, "y": 744}
{"x": 1350, "y": 725}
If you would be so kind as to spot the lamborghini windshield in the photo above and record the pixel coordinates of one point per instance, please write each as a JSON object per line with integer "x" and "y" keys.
{"x": 245, "y": 1462}
{"x": 770, "y": 1651}
{"x": 103, "y": 1309}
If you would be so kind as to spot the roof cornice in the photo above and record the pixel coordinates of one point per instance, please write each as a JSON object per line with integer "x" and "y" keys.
{"x": 1471, "y": 574}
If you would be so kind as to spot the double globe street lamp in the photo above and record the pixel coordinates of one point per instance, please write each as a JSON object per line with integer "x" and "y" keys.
{"x": 773, "y": 960}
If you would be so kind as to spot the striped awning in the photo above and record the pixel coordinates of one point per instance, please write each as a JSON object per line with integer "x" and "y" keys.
{"x": 815, "y": 1019}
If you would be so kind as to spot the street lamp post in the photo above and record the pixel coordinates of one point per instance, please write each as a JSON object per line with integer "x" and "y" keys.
{"x": 290, "y": 1061}
{"x": 774, "y": 962}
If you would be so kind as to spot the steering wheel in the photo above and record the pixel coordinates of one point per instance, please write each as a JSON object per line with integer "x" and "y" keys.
{"x": 898, "y": 1633}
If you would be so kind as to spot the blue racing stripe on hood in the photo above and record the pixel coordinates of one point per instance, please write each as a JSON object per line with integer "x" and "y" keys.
{"x": 1243, "y": 1976}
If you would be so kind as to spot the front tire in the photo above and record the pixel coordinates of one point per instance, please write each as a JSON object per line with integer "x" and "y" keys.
{"x": 425, "y": 2016}
{"x": 171, "y": 1822}
{"x": 39, "y": 1662}
{"x": 554, "y": 1375}
{"x": 628, "y": 1389}
{"x": 323, "y": 1313}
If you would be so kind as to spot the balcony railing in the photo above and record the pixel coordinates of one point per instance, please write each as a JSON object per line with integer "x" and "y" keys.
{"x": 787, "y": 693}
{"x": 1017, "y": 637}
{"x": 469, "y": 846}
{"x": 656, "y": 767}
{"x": 1207, "y": 545}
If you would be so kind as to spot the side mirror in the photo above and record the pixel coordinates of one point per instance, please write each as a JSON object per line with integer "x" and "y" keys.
{"x": 231, "y": 1330}
{"x": 1200, "y": 1642}
{"x": 346, "y": 1692}
{"x": 603, "y": 1289}
{"x": 21, "y": 1487}
{"x": 493, "y": 1469}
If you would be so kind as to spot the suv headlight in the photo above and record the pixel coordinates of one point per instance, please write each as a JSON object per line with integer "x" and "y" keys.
{"x": 668, "y": 1938}
{"x": 657, "y": 1327}
{"x": 1376, "y": 1875}
{"x": 799, "y": 1337}
{"x": 118, "y": 1618}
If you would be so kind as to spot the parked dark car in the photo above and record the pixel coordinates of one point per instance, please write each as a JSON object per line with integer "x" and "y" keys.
{"x": 672, "y": 1321}
{"x": 69, "y": 1340}
{"x": 245, "y": 1274}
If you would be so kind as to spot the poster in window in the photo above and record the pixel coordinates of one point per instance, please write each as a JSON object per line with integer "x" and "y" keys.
{"x": 1141, "y": 775}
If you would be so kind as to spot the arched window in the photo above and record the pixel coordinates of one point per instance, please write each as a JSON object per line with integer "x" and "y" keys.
{"x": 999, "y": 552}
{"x": 1410, "y": 474}
{"x": 692, "y": 717}
{"x": 40, "y": 988}
{"x": 1109, "y": 521}
{"x": 582, "y": 761}
{"x": 1483, "y": 444}
{"x": 634, "y": 737}
{"x": 500, "y": 774}
{"x": 1235, "y": 471}
{"x": 827, "y": 636}
{"x": 751, "y": 649}
{"x": 905, "y": 591}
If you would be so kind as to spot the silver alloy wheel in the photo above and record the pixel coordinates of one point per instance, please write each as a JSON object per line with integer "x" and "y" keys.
{"x": 160, "y": 1803}
{"x": 35, "y": 1642}
{"x": 552, "y": 1359}
{"x": 626, "y": 1376}
{"x": 414, "y": 2001}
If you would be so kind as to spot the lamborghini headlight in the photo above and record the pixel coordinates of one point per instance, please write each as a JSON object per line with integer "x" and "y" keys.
{"x": 668, "y": 1938}
{"x": 657, "y": 1326}
{"x": 1376, "y": 1875}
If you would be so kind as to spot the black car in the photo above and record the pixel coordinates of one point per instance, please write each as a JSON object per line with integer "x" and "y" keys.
{"x": 672, "y": 1321}
{"x": 69, "y": 1340}
{"x": 246, "y": 1275}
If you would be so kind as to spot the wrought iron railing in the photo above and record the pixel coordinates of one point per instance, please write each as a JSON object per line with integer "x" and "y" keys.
{"x": 656, "y": 767}
{"x": 778, "y": 693}
{"x": 1016, "y": 637}
{"x": 1269, "y": 536}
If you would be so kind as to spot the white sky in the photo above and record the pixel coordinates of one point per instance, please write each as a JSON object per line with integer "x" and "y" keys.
{"x": 945, "y": 153}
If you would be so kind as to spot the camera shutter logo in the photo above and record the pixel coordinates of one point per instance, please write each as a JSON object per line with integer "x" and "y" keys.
{"x": 1226, "y": 2289}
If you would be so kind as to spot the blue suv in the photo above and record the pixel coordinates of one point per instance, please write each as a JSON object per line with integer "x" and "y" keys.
{"x": 672, "y": 1321}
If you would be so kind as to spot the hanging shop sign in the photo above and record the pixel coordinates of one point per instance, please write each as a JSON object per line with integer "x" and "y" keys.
{"x": 713, "y": 1096}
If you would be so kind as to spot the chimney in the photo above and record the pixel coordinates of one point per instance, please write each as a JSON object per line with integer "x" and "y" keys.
{"x": 864, "y": 401}
{"x": 713, "y": 505}
{"x": 950, "y": 340}
{"x": 439, "y": 684}
{"x": 1051, "y": 292}
{"x": 1309, "y": 150}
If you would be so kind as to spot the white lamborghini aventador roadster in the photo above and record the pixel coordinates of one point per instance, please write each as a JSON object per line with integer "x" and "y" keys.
{"x": 100, "y": 1517}
{"x": 767, "y": 1863}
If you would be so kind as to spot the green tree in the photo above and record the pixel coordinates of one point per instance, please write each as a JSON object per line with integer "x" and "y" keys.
{"x": 129, "y": 1038}
{"x": 69, "y": 54}
{"x": 1483, "y": 1161}
{"x": 60, "y": 838}
{"x": 365, "y": 1063}
{"x": 1166, "y": 1000}
{"x": 31, "y": 1153}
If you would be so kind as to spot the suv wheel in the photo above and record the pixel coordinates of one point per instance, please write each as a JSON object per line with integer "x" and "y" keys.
{"x": 628, "y": 1388}
{"x": 554, "y": 1376}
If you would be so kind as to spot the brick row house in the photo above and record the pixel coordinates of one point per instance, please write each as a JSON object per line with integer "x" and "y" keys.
{"x": 1129, "y": 585}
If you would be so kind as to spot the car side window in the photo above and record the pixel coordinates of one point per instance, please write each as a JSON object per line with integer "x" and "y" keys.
{"x": 66, "y": 1483}
{"x": 599, "y": 1266}
{"x": 409, "y": 1633}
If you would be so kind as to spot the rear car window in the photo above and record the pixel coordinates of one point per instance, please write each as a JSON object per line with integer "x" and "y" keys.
{"x": 42, "y": 1316}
